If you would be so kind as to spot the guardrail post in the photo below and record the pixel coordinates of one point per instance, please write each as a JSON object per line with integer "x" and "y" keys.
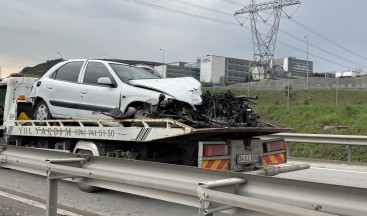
{"x": 203, "y": 206}
{"x": 53, "y": 182}
{"x": 350, "y": 153}
{"x": 288, "y": 150}
{"x": 51, "y": 201}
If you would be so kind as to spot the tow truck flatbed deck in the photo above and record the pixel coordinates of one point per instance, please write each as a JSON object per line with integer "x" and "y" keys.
{"x": 136, "y": 130}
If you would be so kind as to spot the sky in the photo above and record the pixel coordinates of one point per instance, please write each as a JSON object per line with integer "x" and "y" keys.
{"x": 32, "y": 32}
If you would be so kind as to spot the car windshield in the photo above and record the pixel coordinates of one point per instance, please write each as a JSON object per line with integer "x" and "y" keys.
{"x": 126, "y": 73}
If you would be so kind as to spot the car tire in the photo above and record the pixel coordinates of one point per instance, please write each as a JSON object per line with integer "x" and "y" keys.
{"x": 83, "y": 186}
{"x": 141, "y": 114}
{"x": 42, "y": 112}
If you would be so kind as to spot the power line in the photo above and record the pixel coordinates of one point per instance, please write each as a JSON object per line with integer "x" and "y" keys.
{"x": 308, "y": 29}
{"x": 319, "y": 57}
{"x": 283, "y": 31}
{"x": 181, "y": 12}
{"x": 201, "y": 7}
{"x": 333, "y": 23}
{"x": 328, "y": 40}
{"x": 222, "y": 22}
{"x": 233, "y": 3}
{"x": 323, "y": 50}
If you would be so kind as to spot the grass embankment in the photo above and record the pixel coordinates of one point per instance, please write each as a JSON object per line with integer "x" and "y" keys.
{"x": 310, "y": 111}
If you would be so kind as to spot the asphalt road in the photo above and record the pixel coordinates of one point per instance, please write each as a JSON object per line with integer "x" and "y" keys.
{"x": 72, "y": 201}
{"x": 338, "y": 173}
{"x": 10, "y": 207}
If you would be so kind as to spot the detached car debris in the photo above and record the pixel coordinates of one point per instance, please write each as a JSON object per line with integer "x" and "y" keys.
{"x": 218, "y": 110}
{"x": 99, "y": 89}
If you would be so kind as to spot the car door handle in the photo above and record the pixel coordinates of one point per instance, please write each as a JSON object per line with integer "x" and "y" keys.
{"x": 83, "y": 92}
{"x": 50, "y": 87}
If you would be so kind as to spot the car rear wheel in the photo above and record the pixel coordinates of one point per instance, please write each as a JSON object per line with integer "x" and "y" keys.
{"x": 42, "y": 112}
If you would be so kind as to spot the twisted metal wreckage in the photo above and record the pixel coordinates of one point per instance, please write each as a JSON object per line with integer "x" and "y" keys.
{"x": 218, "y": 110}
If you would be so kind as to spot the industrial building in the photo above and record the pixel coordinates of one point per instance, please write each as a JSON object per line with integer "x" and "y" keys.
{"x": 223, "y": 70}
{"x": 219, "y": 70}
{"x": 292, "y": 66}
{"x": 180, "y": 69}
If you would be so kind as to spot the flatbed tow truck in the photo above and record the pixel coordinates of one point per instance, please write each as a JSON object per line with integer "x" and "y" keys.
{"x": 160, "y": 140}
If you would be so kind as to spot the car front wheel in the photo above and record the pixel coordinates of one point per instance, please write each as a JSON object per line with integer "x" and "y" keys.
{"x": 42, "y": 112}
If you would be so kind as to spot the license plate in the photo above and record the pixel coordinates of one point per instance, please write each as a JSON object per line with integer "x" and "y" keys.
{"x": 247, "y": 159}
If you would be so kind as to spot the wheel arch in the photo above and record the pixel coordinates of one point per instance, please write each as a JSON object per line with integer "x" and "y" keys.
{"x": 37, "y": 100}
{"x": 89, "y": 145}
{"x": 135, "y": 104}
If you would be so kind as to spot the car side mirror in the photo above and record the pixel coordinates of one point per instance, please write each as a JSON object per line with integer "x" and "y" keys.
{"x": 106, "y": 81}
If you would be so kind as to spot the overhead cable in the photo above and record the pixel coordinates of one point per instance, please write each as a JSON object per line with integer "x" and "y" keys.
{"x": 222, "y": 22}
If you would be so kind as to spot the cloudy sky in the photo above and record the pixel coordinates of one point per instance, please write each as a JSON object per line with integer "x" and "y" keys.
{"x": 32, "y": 32}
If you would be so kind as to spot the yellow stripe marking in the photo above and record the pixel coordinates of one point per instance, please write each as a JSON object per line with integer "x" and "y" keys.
{"x": 273, "y": 159}
{"x": 216, "y": 164}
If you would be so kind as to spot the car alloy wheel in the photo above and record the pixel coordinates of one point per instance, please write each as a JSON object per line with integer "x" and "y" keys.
{"x": 42, "y": 112}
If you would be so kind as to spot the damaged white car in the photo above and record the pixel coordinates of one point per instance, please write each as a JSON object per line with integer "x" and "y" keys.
{"x": 97, "y": 89}
{"x": 88, "y": 89}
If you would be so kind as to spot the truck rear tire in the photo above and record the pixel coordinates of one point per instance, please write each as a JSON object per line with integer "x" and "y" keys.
{"x": 85, "y": 187}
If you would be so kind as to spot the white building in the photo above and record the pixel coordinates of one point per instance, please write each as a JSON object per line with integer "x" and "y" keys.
{"x": 212, "y": 69}
{"x": 179, "y": 69}
{"x": 348, "y": 73}
{"x": 295, "y": 67}
{"x": 223, "y": 70}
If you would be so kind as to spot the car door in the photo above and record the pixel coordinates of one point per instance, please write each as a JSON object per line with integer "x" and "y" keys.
{"x": 94, "y": 97}
{"x": 60, "y": 90}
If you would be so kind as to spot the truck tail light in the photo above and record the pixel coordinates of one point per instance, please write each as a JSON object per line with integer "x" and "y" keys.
{"x": 215, "y": 150}
{"x": 272, "y": 146}
{"x": 274, "y": 152}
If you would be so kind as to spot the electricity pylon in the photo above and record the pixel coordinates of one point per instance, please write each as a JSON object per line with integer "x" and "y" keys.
{"x": 264, "y": 43}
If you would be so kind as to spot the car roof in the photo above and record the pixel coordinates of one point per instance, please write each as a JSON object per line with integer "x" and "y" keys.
{"x": 99, "y": 60}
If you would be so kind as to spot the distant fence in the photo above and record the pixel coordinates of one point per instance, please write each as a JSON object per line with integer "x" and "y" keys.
{"x": 313, "y": 82}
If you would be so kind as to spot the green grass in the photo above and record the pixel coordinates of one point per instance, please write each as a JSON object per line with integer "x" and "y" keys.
{"x": 309, "y": 112}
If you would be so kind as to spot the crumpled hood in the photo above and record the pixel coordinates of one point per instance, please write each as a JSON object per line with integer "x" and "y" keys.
{"x": 185, "y": 89}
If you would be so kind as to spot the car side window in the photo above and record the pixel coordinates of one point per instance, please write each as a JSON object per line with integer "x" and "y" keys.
{"x": 94, "y": 71}
{"x": 68, "y": 72}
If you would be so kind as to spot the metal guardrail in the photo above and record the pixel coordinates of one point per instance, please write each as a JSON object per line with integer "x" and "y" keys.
{"x": 347, "y": 140}
{"x": 212, "y": 191}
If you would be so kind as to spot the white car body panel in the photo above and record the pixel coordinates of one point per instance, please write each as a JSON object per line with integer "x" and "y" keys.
{"x": 132, "y": 94}
{"x": 98, "y": 96}
{"x": 52, "y": 89}
{"x": 185, "y": 89}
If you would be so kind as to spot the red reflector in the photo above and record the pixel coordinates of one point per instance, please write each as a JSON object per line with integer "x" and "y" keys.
{"x": 215, "y": 150}
{"x": 274, "y": 146}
